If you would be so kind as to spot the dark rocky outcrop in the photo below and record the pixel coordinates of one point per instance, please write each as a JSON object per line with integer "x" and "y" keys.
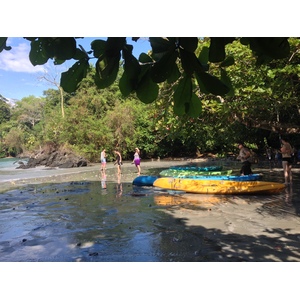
{"x": 53, "y": 157}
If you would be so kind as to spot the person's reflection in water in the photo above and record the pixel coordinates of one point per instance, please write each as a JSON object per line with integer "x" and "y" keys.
{"x": 119, "y": 186}
{"x": 288, "y": 195}
{"x": 103, "y": 180}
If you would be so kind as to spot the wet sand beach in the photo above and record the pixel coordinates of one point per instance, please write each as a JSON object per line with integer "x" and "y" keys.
{"x": 69, "y": 216}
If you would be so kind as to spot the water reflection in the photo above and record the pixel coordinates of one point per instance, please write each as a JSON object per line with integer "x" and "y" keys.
{"x": 119, "y": 187}
{"x": 289, "y": 195}
{"x": 285, "y": 204}
{"x": 185, "y": 200}
{"x": 103, "y": 180}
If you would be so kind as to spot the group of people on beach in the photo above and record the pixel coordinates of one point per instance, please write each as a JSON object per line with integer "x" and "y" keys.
{"x": 286, "y": 152}
{"x": 245, "y": 156}
{"x": 118, "y": 160}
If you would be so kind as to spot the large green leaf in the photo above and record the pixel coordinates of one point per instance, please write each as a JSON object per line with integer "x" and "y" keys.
{"x": 227, "y": 81}
{"x": 161, "y": 45}
{"x": 98, "y": 46}
{"x": 79, "y": 54}
{"x": 227, "y": 62}
{"x": 59, "y": 62}
{"x": 204, "y": 56}
{"x": 147, "y": 90}
{"x": 70, "y": 79}
{"x": 37, "y": 55}
{"x": 194, "y": 107}
{"x": 175, "y": 74}
{"x": 263, "y": 59}
{"x": 182, "y": 95}
{"x": 125, "y": 84}
{"x": 189, "y": 43}
{"x": 217, "y": 48}
{"x": 107, "y": 68}
{"x": 3, "y": 44}
{"x": 130, "y": 76}
{"x": 60, "y": 48}
{"x": 189, "y": 62}
{"x": 163, "y": 68}
{"x": 212, "y": 84}
{"x": 145, "y": 58}
{"x": 274, "y": 47}
{"x": 201, "y": 85}
{"x": 112, "y": 54}
{"x": 108, "y": 63}
{"x": 114, "y": 45}
{"x": 145, "y": 63}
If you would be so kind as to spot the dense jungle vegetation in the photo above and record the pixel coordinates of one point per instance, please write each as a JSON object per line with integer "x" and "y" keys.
{"x": 179, "y": 115}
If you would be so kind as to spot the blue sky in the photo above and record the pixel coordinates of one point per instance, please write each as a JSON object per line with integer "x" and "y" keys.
{"x": 19, "y": 78}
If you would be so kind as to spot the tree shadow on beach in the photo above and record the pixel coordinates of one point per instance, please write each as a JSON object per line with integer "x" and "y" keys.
{"x": 198, "y": 243}
{"x": 214, "y": 245}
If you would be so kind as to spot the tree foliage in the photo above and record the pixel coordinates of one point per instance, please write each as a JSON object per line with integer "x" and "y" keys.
{"x": 29, "y": 111}
{"x": 172, "y": 60}
{"x": 4, "y": 112}
{"x": 266, "y": 96}
{"x": 185, "y": 96}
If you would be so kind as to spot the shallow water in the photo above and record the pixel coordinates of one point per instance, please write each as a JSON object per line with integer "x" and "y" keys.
{"x": 80, "y": 222}
{"x": 11, "y": 163}
{"x": 111, "y": 221}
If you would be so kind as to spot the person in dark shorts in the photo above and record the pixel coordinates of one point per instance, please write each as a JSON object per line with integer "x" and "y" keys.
{"x": 118, "y": 161}
{"x": 287, "y": 160}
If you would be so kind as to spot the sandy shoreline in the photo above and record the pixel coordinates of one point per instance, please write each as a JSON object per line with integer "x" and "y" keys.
{"x": 231, "y": 228}
{"x": 17, "y": 178}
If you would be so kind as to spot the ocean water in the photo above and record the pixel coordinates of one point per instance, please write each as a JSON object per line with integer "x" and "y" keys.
{"x": 9, "y": 171}
{"x": 10, "y": 163}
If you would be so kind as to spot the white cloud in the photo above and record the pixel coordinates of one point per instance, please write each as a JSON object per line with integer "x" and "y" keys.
{"x": 17, "y": 60}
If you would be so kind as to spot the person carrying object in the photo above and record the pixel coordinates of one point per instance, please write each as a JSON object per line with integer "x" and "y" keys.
{"x": 245, "y": 157}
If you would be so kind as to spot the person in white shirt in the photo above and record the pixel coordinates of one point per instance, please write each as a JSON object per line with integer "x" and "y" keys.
{"x": 103, "y": 160}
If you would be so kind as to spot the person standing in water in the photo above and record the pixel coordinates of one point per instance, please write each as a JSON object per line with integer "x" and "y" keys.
{"x": 103, "y": 160}
{"x": 137, "y": 160}
{"x": 286, "y": 150}
{"x": 118, "y": 161}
